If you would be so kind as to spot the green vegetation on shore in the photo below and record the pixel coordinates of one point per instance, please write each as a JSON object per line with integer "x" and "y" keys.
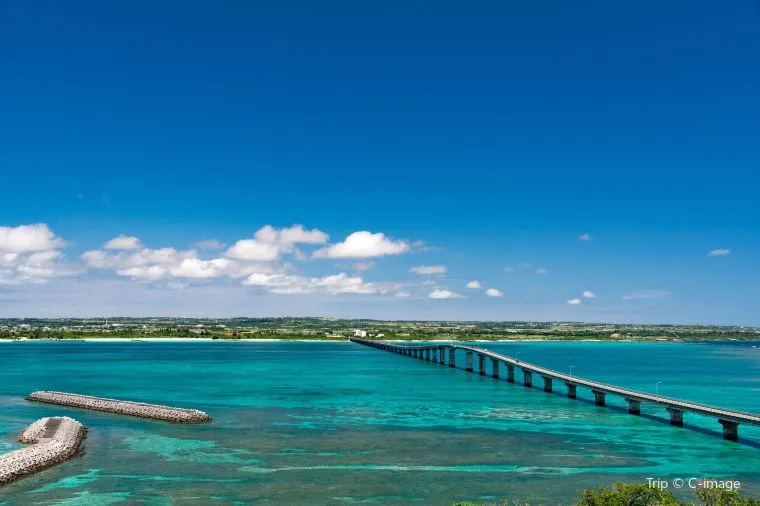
{"x": 338, "y": 329}
{"x": 634, "y": 494}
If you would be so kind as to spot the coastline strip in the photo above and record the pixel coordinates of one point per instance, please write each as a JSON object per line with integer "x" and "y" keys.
{"x": 54, "y": 440}
{"x": 130, "y": 408}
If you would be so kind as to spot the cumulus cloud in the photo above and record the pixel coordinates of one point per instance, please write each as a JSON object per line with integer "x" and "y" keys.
{"x": 720, "y": 252}
{"x": 363, "y": 244}
{"x": 28, "y": 238}
{"x": 402, "y": 295}
{"x": 364, "y": 266}
{"x": 646, "y": 294}
{"x": 254, "y": 250}
{"x": 269, "y": 243}
{"x": 195, "y": 268}
{"x": 296, "y": 284}
{"x": 296, "y": 234}
{"x": 440, "y": 293}
{"x": 474, "y": 285}
{"x": 574, "y": 301}
{"x": 123, "y": 242}
{"x": 429, "y": 269}
{"x": 588, "y": 294}
{"x": 29, "y": 255}
{"x": 493, "y": 292}
{"x": 584, "y": 237}
{"x": 542, "y": 271}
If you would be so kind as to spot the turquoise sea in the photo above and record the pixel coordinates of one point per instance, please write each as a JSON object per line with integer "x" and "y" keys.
{"x": 340, "y": 423}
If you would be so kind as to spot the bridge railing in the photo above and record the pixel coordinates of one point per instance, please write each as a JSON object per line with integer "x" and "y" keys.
{"x": 729, "y": 419}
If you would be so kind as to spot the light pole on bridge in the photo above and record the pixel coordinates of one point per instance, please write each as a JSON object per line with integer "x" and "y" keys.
{"x": 571, "y": 370}
{"x": 657, "y": 387}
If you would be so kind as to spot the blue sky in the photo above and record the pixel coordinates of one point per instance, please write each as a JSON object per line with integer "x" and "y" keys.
{"x": 477, "y": 136}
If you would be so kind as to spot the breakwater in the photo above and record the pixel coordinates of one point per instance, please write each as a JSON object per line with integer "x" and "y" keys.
{"x": 138, "y": 409}
{"x": 54, "y": 440}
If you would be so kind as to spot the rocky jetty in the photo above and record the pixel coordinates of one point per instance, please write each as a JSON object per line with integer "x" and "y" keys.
{"x": 54, "y": 440}
{"x": 139, "y": 409}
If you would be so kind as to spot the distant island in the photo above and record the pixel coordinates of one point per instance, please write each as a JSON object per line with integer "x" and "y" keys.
{"x": 331, "y": 329}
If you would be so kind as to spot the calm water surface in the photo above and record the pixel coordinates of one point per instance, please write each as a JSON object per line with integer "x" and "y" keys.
{"x": 339, "y": 423}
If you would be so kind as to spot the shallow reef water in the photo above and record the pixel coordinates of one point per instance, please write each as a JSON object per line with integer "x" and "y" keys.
{"x": 340, "y": 423}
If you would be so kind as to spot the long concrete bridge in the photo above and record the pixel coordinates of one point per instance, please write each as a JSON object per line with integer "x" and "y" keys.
{"x": 436, "y": 352}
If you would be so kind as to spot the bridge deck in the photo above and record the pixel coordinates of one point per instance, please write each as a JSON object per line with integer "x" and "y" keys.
{"x": 668, "y": 402}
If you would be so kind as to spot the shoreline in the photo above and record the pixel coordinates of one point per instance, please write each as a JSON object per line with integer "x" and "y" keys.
{"x": 270, "y": 340}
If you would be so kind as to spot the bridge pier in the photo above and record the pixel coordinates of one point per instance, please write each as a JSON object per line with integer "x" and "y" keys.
{"x": 676, "y": 417}
{"x": 730, "y": 430}
{"x": 675, "y": 407}
{"x": 468, "y": 361}
{"x": 634, "y": 406}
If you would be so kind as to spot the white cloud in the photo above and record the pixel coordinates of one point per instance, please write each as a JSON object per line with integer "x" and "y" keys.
{"x": 474, "y": 285}
{"x": 439, "y": 293}
{"x": 589, "y": 294}
{"x": 402, "y": 295}
{"x": 269, "y": 243}
{"x": 429, "y": 282}
{"x": 28, "y": 238}
{"x": 253, "y": 250}
{"x": 574, "y": 301}
{"x": 200, "y": 269}
{"x": 493, "y": 292}
{"x": 646, "y": 294}
{"x": 509, "y": 269}
{"x": 584, "y": 237}
{"x": 153, "y": 264}
{"x": 29, "y": 255}
{"x": 296, "y": 284}
{"x": 363, "y": 244}
{"x": 209, "y": 244}
{"x": 123, "y": 242}
{"x": 429, "y": 269}
{"x": 542, "y": 271}
{"x": 364, "y": 266}
{"x": 720, "y": 252}
{"x": 295, "y": 234}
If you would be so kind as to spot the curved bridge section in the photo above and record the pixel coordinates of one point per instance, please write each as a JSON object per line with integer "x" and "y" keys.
{"x": 438, "y": 352}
